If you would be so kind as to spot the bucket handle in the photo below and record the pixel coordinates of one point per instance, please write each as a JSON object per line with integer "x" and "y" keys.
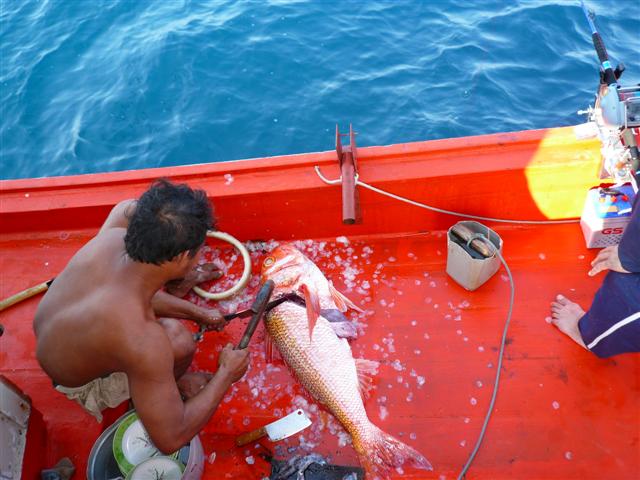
{"x": 485, "y": 238}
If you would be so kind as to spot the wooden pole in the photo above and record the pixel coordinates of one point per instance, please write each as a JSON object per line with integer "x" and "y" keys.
{"x": 28, "y": 293}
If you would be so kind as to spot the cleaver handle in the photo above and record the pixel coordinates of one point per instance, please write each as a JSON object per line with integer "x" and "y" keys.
{"x": 251, "y": 436}
{"x": 258, "y": 308}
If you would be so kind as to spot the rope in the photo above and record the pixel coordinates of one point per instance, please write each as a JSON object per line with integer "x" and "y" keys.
{"x": 436, "y": 209}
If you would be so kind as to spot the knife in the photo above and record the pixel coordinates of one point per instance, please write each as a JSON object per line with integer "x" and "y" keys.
{"x": 289, "y": 297}
{"x": 279, "y": 430}
{"x": 272, "y": 304}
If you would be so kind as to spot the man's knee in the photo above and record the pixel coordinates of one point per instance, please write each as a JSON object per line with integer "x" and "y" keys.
{"x": 181, "y": 338}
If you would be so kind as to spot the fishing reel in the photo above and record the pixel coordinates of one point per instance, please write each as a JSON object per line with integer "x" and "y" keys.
{"x": 616, "y": 115}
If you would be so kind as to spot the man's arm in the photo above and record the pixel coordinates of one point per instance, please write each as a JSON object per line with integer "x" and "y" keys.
{"x": 625, "y": 257}
{"x": 166, "y": 305}
{"x": 119, "y": 215}
{"x": 170, "y": 422}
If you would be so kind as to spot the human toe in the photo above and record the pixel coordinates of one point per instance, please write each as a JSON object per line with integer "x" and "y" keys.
{"x": 555, "y": 307}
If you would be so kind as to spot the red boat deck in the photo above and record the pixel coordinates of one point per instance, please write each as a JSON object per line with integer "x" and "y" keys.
{"x": 561, "y": 412}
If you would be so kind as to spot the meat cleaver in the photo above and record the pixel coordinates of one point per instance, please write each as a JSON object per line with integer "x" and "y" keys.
{"x": 278, "y": 430}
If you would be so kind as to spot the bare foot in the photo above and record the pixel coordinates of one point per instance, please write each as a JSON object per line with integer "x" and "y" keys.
{"x": 191, "y": 383}
{"x": 565, "y": 315}
{"x": 202, "y": 273}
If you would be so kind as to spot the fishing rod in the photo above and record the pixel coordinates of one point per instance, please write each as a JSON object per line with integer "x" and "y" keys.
{"x": 609, "y": 76}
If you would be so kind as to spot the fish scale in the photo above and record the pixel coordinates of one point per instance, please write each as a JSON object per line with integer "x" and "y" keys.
{"x": 315, "y": 364}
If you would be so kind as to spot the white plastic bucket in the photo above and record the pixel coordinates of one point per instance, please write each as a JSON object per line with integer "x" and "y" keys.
{"x": 467, "y": 271}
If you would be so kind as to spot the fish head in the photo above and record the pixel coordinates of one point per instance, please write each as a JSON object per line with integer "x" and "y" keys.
{"x": 284, "y": 266}
{"x": 292, "y": 272}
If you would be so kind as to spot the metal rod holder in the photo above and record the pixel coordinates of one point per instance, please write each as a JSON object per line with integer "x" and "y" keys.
{"x": 348, "y": 159}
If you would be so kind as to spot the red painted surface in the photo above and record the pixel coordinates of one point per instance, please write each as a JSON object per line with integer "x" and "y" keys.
{"x": 440, "y": 331}
{"x": 36, "y": 445}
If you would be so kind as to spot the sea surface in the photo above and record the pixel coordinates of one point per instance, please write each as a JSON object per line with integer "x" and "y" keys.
{"x": 96, "y": 85}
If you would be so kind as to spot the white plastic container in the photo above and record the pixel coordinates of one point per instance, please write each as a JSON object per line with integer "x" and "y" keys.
{"x": 603, "y": 222}
{"x": 467, "y": 271}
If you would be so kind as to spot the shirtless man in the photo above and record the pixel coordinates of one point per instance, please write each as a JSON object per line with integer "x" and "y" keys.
{"x": 99, "y": 333}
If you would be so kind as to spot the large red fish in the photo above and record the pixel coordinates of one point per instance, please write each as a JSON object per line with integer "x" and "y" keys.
{"x": 313, "y": 343}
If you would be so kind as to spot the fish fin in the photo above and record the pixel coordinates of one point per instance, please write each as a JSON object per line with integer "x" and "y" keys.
{"x": 341, "y": 325}
{"x": 268, "y": 347}
{"x": 342, "y": 302}
{"x": 381, "y": 453}
{"x": 344, "y": 330}
{"x": 312, "y": 302}
{"x": 333, "y": 315}
{"x": 366, "y": 369}
{"x": 271, "y": 354}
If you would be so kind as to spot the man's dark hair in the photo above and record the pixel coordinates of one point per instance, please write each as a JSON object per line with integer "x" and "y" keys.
{"x": 168, "y": 219}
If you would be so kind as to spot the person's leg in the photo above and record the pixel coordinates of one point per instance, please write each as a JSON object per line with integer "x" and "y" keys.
{"x": 621, "y": 337}
{"x": 565, "y": 315}
{"x": 182, "y": 343}
{"x": 611, "y": 326}
{"x": 201, "y": 273}
{"x": 184, "y": 348}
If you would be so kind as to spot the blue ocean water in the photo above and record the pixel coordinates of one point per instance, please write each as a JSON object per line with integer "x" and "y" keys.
{"x": 103, "y": 85}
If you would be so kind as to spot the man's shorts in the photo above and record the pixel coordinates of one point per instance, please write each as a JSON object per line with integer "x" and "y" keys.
{"x": 612, "y": 324}
{"x": 100, "y": 393}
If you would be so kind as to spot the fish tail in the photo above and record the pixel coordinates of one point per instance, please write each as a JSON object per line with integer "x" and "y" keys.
{"x": 381, "y": 452}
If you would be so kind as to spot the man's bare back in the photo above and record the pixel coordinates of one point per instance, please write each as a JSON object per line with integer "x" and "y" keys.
{"x": 92, "y": 311}
{"x": 104, "y": 314}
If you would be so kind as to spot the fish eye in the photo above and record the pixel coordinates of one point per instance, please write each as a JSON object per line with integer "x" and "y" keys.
{"x": 269, "y": 261}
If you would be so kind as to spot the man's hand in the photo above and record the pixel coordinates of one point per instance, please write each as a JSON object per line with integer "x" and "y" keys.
{"x": 212, "y": 319}
{"x": 233, "y": 363}
{"x": 201, "y": 273}
{"x": 607, "y": 259}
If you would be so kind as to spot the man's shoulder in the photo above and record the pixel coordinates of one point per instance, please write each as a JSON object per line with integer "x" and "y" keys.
{"x": 111, "y": 234}
{"x": 105, "y": 244}
{"x": 110, "y": 239}
{"x": 119, "y": 215}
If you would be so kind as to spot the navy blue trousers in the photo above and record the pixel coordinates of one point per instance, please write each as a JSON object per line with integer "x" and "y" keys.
{"x": 612, "y": 324}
